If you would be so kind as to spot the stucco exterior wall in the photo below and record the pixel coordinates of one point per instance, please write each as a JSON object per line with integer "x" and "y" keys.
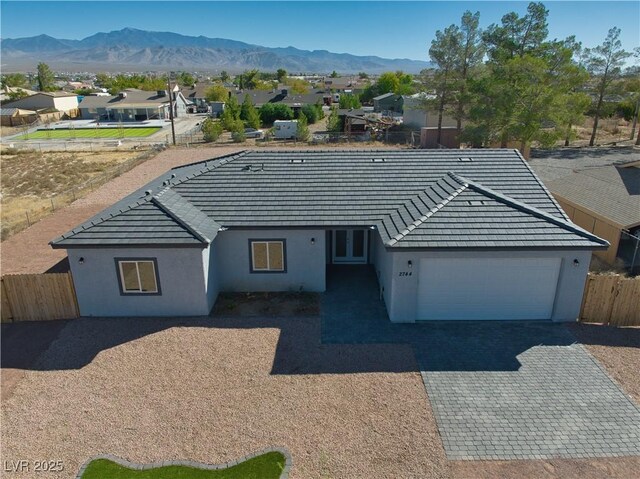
{"x": 65, "y": 103}
{"x": 181, "y": 273}
{"x": 305, "y": 261}
{"x": 383, "y": 263}
{"x": 211, "y": 274}
{"x": 569, "y": 292}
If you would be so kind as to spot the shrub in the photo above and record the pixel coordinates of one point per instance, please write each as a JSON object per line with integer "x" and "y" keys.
{"x": 270, "y": 112}
{"x": 237, "y": 132}
{"x": 302, "y": 133}
{"x": 211, "y": 130}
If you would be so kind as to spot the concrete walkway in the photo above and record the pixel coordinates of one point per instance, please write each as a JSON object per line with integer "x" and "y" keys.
{"x": 498, "y": 389}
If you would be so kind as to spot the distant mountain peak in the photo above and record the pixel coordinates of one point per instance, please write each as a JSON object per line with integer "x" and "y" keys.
{"x": 143, "y": 49}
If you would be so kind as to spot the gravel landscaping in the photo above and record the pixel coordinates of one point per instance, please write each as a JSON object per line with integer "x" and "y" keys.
{"x": 212, "y": 390}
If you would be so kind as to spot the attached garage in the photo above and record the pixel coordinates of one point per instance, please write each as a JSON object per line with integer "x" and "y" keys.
{"x": 487, "y": 288}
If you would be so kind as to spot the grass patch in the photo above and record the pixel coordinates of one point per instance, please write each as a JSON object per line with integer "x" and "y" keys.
{"x": 265, "y": 466}
{"x": 65, "y": 134}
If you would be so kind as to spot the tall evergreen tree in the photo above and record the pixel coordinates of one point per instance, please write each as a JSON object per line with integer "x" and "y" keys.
{"x": 45, "y": 77}
{"x": 248, "y": 114}
{"x": 604, "y": 62}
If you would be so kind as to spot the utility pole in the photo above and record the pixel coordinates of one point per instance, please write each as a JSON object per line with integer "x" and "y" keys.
{"x": 173, "y": 129}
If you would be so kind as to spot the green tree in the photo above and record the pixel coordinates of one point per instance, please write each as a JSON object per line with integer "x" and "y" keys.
{"x": 445, "y": 52}
{"x": 469, "y": 60}
{"x": 348, "y": 101}
{"x": 211, "y": 130}
{"x": 224, "y": 76}
{"x": 237, "y": 131}
{"x": 302, "y": 133}
{"x": 249, "y": 115}
{"x": 270, "y": 112}
{"x": 334, "y": 74}
{"x": 216, "y": 93}
{"x": 604, "y": 63}
{"x": 526, "y": 85}
{"x": 45, "y": 77}
{"x": 14, "y": 80}
{"x": 186, "y": 79}
{"x": 17, "y": 94}
{"x": 363, "y": 75}
{"x": 388, "y": 82}
{"x": 248, "y": 80}
{"x": 334, "y": 123}
{"x": 103, "y": 80}
{"x": 231, "y": 114}
{"x": 313, "y": 113}
{"x": 281, "y": 74}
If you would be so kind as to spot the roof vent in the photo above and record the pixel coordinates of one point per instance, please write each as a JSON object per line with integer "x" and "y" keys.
{"x": 173, "y": 175}
{"x": 148, "y": 192}
{"x": 465, "y": 158}
{"x": 246, "y": 168}
{"x": 122, "y": 94}
{"x": 476, "y": 202}
{"x": 297, "y": 160}
{"x": 378, "y": 160}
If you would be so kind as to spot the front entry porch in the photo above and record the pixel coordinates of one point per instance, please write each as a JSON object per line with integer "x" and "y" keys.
{"x": 348, "y": 246}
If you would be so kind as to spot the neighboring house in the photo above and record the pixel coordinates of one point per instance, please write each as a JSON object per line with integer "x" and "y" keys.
{"x": 17, "y": 116}
{"x": 60, "y": 101}
{"x": 132, "y": 105}
{"x": 343, "y": 85}
{"x": 4, "y": 93}
{"x": 389, "y": 102}
{"x": 451, "y": 234}
{"x": 293, "y": 100}
{"x": 416, "y": 115}
{"x": 197, "y": 94}
{"x": 605, "y": 200}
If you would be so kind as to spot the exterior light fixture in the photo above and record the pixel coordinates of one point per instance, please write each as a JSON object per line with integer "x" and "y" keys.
{"x": 576, "y": 263}
{"x": 81, "y": 260}
{"x": 409, "y": 263}
{"x": 313, "y": 241}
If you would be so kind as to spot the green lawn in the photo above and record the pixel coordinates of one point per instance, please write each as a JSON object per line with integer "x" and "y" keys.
{"x": 265, "y": 466}
{"x": 115, "y": 133}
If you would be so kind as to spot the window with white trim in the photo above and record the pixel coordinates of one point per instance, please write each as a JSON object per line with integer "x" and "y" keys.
{"x": 267, "y": 256}
{"x": 138, "y": 276}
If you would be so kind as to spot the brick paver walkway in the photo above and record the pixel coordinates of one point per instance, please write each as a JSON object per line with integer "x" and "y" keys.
{"x": 498, "y": 389}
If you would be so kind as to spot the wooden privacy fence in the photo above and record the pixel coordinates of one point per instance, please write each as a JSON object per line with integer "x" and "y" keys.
{"x": 38, "y": 297}
{"x": 611, "y": 299}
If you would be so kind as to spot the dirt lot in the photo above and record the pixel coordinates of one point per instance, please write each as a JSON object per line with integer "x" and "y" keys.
{"x": 35, "y": 183}
{"x": 267, "y": 304}
{"x": 29, "y": 252}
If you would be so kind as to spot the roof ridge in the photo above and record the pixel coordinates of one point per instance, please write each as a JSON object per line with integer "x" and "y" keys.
{"x": 432, "y": 211}
{"x": 542, "y": 185}
{"x": 166, "y": 205}
{"x": 528, "y": 209}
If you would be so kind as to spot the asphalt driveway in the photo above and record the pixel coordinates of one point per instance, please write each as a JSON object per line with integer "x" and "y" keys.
{"x": 499, "y": 390}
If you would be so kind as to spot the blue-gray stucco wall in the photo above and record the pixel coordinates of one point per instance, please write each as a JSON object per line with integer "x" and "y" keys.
{"x": 182, "y": 282}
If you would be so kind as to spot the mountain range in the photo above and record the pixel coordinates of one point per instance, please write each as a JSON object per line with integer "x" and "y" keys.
{"x": 135, "y": 49}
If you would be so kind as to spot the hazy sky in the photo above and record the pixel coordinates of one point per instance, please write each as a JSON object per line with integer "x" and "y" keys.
{"x": 386, "y": 29}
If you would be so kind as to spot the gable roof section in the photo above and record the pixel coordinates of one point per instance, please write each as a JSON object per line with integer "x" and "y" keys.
{"x": 390, "y": 189}
{"x": 457, "y": 212}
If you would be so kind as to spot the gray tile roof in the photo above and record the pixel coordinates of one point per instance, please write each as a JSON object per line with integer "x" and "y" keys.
{"x": 482, "y": 198}
{"x": 610, "y": 191}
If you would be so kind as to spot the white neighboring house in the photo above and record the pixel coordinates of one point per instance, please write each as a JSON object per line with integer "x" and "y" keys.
{"x": 285, "y": 129}
{"x": 415, "y": 115}
{"x": 57, "y": 100}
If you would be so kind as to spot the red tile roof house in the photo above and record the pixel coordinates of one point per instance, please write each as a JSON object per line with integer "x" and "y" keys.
{"x": 451, "y": 234}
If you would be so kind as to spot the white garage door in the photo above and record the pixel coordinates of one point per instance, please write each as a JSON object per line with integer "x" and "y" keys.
{"x": 487, "y": 288}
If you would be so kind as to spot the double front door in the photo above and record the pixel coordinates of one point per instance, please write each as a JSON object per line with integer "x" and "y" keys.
{"x": 350, "y": 246}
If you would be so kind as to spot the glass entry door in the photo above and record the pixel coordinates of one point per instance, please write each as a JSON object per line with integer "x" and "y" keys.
{"x": 349, "y": 246}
